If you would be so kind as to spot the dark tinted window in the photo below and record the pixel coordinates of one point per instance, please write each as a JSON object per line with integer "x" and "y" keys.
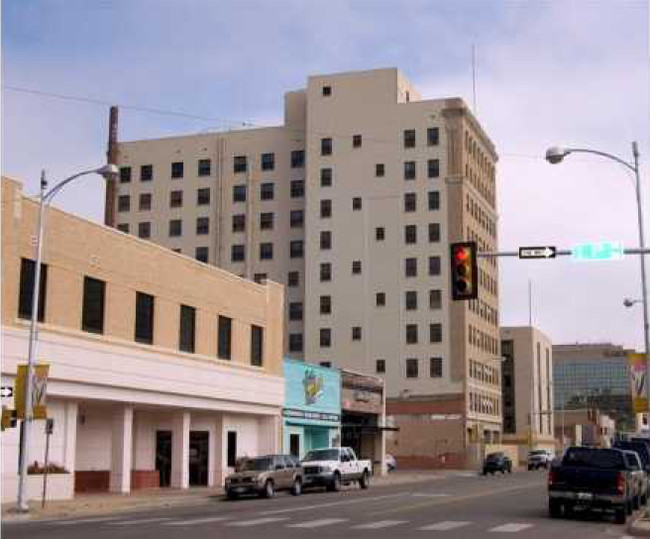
{"x": 268, "y": 161}
{"x": 146, "y": 173}
{"x": 257, "y": 345}
{"x": 239, "y": 163}
{"x": 92, "y": 316}
{"x": 177, "y": 170}
{"x": 26, "y": 294}
{"x": 188, "y": 324}
{"x": 225, "y": 337}
{"x": 204, "y": 167}
{"x": 594, "y": 458}
{"x": 125, "y": 174}
{"x": 297, "y": 159}
{"x": 144, "y": 308}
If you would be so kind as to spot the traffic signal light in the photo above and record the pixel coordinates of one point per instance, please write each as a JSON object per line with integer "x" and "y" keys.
{"x": 9, "y": 419}
{"x": 464, "y": 271}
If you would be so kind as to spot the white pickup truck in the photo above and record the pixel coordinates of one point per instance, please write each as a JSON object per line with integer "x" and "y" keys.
{"x": 334, "y": 467}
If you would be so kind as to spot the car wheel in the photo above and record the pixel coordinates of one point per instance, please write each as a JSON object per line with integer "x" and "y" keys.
{"x": 554, "y": 509}
{"x": 530, "y": 468}
{"x": 364, "y": 482}
{"x": 620, "y": 515}
{"x": 335, "y": 485}
{"x": 628, "y": 508}
{"x": 269, "y": 489}
{"x": 231, "y": 495}
{"x": 296, "y": 490}
{"x": 636, "y": 503}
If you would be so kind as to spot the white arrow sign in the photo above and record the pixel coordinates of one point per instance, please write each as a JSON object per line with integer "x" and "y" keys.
{"x": 6, "y": 392}
{"x": 547, "y": 251}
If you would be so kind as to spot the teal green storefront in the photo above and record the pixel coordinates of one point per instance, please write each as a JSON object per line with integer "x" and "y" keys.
{"x": 311, "y": 417}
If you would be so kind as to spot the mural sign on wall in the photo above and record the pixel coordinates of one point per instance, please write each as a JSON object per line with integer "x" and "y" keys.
{"x": 311, "y": 392}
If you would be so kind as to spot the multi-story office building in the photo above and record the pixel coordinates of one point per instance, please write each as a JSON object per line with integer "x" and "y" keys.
{"x": 594, "y": 376}
{"x": 351, "y": 204}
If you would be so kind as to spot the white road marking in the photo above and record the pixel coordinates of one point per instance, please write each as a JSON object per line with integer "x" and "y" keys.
{"x": 141, "y": 521}
{"x": 511, "y": 528}
{"x": 256, "y": 521}
{"x": 379, "y": 525}
{"x": 195, "y": 521}
{"x": 85, "y": 520}
{"x": 429, "y": 495}
{"x": 318, "y": 523}
{"x": 344, "y": 502}
{"x": 446, "y": 525}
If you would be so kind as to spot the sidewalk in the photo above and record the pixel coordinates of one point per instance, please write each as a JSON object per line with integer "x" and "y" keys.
{"x": 140, "y": 500}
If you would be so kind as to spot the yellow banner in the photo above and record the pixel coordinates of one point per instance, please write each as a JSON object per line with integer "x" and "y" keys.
{"x": 39, "y": 391}
{"x": 638, "y": 381}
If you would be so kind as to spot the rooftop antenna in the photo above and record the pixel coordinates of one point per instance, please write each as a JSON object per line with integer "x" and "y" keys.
{"x": 474, "y": 79}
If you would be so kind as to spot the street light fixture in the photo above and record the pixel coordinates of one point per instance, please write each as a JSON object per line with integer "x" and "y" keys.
{"x": 108, "y": 171}
{"x": 555, "y": 155}
{"x": 631, "y": 302}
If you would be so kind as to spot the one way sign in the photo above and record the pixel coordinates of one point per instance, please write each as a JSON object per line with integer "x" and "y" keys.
{"x": 547, "y": 251}
{"x": 6, "y": 392}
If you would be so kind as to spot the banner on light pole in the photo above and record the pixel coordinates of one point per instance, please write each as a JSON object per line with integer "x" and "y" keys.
{"x": 638, "y": 381}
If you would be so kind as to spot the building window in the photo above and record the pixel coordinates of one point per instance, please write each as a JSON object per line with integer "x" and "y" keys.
{"x": 146, "y": 173}
{"x": 434, "y": 200}
{"x": 409, "y": 170}
{"x": 296, "y": 219}
{"x": 239, "y": 163}
{"x": 92, "y": 314}
{"x": 187, "y": 329}
{"x": 202, "y": 226}
{"x": 224, "y": 331}
{"x": 237, "y": 253}
{"x": 435, "y": 299}
{"x": 293, "y": 279}
{"x": 266, "y": 251}
{"x": 325, "y": 240}
{"x": 175, "y": 227}
{"x": 325, "y": 177}
{"x": 203, "y": 196}
{"x": 266, "y": 221}
{"x": 356, "y": 267}
{"x": 267, "y": 191}
{"x": 433, "y": 136}
{"x": 325, "y": 209}
{"x": 325, "y": 272}
{"x": 295, "y": 311}
{"x": 201, "y": 254}
{"x": 177, "y": 170}
{"x": 144, "y": 309}
{"x": 204, "y": 167}
{"x": 125, "y": 174}
{"x": 144, "y": 230}
{"x": 295, "y": 342}
{"x": 380, "y": 299}
{"x": 176, "y": 199}
{"x": 356, "y": 141}
{"x": 239, "y": 193}
{"x": 356, "y": 203}
{"x": 409, "y": 138}
{"x": 380, "y": 233}
{"x": 325, "y": 337}
{"x": 410, "y": 234}
{"x": 327, "y": 364}
{"x": 411, "y": 333}
{"x": 260, "y": 278}
{"x": 123, "y": 227}
{"x": 124, "y": 203}
{"x": 434, "y": 265}
{"x": 297, "y": 158}
{"x": 380, "y": 366}
{"x": 380, "y": 170}
{"x": 145, "y": 201}
{"x": 296, "y": 249}
{"x": 326, "y": 146}
{"x": 434, "y": 232}
{"x": 356, "y": 333}
{"x": 326, "y": 305}
{"x": 411, "y": 267}
{"x": 435, "y": 367}
{"x": 410, "y": 202}
{"x": 411, "y": 300}
{"x": 268, "y": 161}
{"x": 433, "y": 167}
{"x": 412, "y": 368}
{"x": 239, "y": 222}
{"x": 297, "y": 188}
{"x": 231, "y": 449}
{"x": 327, "y": 91}
{"x": 435, "y": 333}
{"x": 26, "y": 294}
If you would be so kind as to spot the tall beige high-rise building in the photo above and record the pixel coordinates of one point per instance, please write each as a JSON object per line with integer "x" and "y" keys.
{"x": 351, "y": 204}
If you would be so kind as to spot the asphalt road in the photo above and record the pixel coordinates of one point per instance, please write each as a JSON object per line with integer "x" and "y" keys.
{"x": 457, "y": 506}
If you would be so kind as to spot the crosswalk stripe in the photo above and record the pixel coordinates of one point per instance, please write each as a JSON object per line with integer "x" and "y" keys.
{"x": 256, "y": 521}
{"x": 429, "y": 495}
{"x": 85, "y": 520}
{"x": 195, "y": 521}
{"x": 511, "y": 528}
{"x": 379, "y": 525}
{"x": 318, "y": 523}
{"x": 141, "y": 521}
{"x": 446, "y": 525}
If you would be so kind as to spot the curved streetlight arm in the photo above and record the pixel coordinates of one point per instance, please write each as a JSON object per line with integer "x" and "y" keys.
{"x": 47, "y": 197}
{"x": 602, "y": 154}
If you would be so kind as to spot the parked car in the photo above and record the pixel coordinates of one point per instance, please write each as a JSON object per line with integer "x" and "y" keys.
{"x": 539, "y": 458}
{"x": 391, "y": 463}
{"x": 639, "y": 477}
{"x": 590, "y": 477}
{"x": 639, "y": 446}
{"x": 334, "y": 467}
{"x": 265, "y": 475}
{"x": 497, "y": 462}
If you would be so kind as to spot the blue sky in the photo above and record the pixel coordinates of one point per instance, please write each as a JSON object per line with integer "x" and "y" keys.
{"x": 552, "y": 72}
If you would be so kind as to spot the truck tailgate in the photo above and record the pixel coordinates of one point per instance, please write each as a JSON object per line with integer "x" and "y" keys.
{"x": 585, "y": 480}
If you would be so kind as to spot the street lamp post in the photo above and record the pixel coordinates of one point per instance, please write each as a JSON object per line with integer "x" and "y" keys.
{"x": 556, "y": 155}
{"x": 45, "y": 199}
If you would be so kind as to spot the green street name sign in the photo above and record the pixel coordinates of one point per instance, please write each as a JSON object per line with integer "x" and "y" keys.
{"x": 603, "y": 250}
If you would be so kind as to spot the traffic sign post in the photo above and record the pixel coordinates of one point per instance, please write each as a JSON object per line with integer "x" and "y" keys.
{"x": 529, "y": 253}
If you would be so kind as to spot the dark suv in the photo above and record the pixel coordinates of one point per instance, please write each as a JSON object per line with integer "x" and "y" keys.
{"x": 264, "y": 475}
{"x": 497, "y": 462}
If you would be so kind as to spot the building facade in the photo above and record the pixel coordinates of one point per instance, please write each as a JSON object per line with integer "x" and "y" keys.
{"x": 352, "y": 204}
{"x": 162, "y": 370}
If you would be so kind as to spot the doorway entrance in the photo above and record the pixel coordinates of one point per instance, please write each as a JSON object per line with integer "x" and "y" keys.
{"x": 164, "y": 456}
{"x": 199, "y": 452}
{"x": 294, "y": 444}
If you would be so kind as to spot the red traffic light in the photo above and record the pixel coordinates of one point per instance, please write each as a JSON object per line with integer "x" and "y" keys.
{"x": 464, "y": 271}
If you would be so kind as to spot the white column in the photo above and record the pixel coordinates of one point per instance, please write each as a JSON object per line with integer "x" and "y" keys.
{"x": 217, "y": 457}
{"x": 180, "y": 450}
{"x": 121, "y": 452}
{"x": 70, "y": 436}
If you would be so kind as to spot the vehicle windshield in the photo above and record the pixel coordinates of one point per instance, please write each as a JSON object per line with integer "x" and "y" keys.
{"x": 594, "y": 458}
{"x": 256, "y": 465}
{"x": 494, "y": 456}
{"x": 538, "y": 452}
{"x": 322, "y": 454}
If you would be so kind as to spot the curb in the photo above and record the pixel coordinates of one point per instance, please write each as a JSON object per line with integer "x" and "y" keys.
{"x": 640, "y": 527}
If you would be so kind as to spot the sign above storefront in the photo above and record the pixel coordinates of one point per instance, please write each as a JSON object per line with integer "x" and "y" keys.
{"x": 302, "y": 414}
